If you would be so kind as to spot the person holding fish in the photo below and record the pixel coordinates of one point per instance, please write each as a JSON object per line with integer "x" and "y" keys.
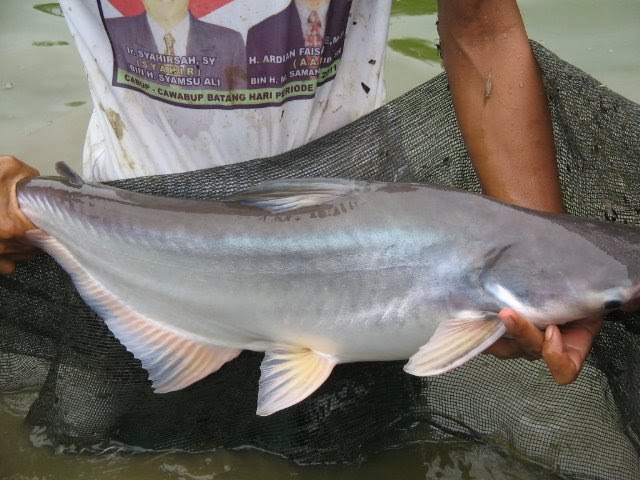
{"x": 297, "y": 94}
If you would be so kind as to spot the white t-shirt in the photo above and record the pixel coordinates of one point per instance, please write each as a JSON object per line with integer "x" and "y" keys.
{"x": 229, "y": 81}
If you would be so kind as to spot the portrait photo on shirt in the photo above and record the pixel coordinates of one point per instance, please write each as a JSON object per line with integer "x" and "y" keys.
{"x": 225, "y": 53}
{"x": 300, "y": 42}
{"x": 166, "y": 43}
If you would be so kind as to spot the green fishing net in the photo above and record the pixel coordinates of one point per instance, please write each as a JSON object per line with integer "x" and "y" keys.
{"x": 95, "y": 394}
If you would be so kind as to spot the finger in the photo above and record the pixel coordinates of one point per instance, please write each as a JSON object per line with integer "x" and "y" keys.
{"x": 7, "y": 267}
{"x": 523, "y": 332}
{"x": 11, "y": 247}
{"x": 564, "y": 363}
{"x": 8, "y": 262}
{"x": 20, "y": 257}
{"x": 506, "y": 348}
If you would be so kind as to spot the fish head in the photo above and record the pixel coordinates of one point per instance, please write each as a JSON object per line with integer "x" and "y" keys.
{"x": 571, "y": 269}
{"x": 570, "y": 301}
{"x": 598, "y": 285}
{"x": 613, "y": 280}
{"x": 593, "y": 302}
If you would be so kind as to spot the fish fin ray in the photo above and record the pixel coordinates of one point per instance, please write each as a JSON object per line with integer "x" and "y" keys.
{"x": 173, "y": 358}
{"x": 280, "y": 196}
{"x": 289, "y": 375}
{"x": 39, "y": 238}
{"x": 455, "y": 342}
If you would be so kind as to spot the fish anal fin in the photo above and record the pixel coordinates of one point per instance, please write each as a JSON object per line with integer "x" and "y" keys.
{"x": 455, "y": 342}
{"x": 174, "y": 358}
{"x": 286, "y": 195}
{"x": 289, "y": 375}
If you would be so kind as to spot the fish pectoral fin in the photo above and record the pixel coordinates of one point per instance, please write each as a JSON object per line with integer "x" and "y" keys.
{"x": 289, "y": 375}
{"x": 455, "y": 342}
{"x": 279, "y": 196}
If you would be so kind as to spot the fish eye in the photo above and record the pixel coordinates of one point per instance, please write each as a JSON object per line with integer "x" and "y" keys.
{"x": 612, "y": 304}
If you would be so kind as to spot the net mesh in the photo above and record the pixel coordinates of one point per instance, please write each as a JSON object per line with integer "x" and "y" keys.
{"x": 94, "y": 393}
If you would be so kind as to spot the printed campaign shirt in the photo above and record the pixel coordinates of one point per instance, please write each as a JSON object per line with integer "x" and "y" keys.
{"x": 180, "y": 85}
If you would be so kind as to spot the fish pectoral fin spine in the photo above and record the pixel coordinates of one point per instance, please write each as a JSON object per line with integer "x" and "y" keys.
{"x": 280, "y": 196}
{"x": 289, "y": 375}
{"x": 455, "y": 342}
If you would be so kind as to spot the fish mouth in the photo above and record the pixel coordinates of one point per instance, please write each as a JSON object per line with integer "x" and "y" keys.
{"x": 633, "y": 302}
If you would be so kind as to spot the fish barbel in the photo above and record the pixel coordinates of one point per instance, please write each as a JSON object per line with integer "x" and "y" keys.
{"x": 316, "y": 272}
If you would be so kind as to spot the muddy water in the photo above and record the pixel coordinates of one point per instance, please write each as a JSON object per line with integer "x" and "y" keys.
{"x": 44, "y": 107}
{"x": 20, "y": 460}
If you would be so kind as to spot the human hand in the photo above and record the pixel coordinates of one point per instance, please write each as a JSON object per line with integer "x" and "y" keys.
{"x": 13, "y": 223}
{"x": 564, "y": 348}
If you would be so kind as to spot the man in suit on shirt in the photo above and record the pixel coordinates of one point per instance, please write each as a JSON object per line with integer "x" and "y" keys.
{"x": 270, "y": 42}
{"x": 184, "y": 50}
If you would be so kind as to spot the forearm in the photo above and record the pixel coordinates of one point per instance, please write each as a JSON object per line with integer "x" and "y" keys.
{"x": 500, "y": 102}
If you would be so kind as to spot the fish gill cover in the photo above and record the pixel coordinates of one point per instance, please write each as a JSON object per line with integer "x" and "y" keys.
{"x": 94, "y": 393}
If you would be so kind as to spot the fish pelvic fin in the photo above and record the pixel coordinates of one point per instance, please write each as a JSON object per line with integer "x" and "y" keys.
{"x": 455, "y": 342}
{"x": 289, "y": 375}
{"x": 281, "y": 196}
{"x": 173, "y": 358}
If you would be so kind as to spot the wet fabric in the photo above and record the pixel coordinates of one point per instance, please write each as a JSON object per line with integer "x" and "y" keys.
{"x": 94, "y": 393}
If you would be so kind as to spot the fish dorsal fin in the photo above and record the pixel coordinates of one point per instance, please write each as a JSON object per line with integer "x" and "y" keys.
{"x": 289, "y": 375}
{"x": 455, "y": 342}
{"x": 286, "y": 195}
{"x": 69, "y": 174}
{"x": 173, "y": 358}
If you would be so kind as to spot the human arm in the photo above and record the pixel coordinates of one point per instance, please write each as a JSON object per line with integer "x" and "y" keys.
{"x": 501, "y": 106}
{"x": 500, "y": 101}
{"x": 13, "y": 223}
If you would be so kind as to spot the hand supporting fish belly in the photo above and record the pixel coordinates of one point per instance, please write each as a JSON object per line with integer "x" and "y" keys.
{"x": 316, "y": 272}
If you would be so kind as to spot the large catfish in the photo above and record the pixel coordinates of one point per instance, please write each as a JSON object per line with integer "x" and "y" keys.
{"x": 316, "y": 272}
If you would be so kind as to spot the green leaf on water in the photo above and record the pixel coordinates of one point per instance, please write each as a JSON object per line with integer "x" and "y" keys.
{"x": 47, "y": 43}
{"x": 414, "y": 7}
{"x": 77, "y": 103}
{"x": 50, "y": 8}
{"x": 417, "y": 48}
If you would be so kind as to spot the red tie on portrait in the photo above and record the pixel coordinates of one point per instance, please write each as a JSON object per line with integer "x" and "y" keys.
{"x": 313, "y": 38}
